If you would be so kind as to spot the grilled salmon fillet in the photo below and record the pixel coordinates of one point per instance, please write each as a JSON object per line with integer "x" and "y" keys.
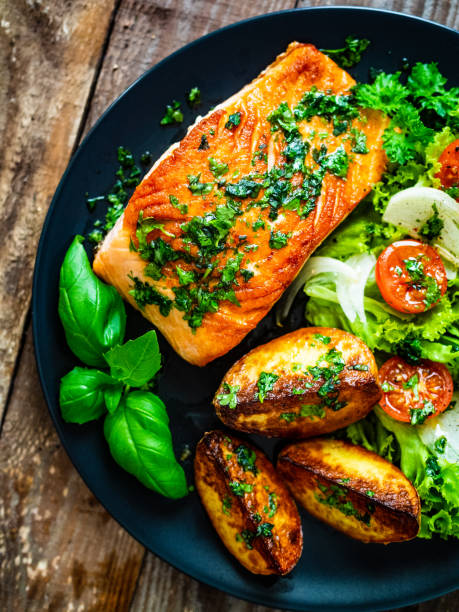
{"x": 225, "y": 219}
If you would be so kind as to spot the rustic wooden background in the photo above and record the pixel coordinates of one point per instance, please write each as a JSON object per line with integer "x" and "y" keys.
{"x": 61, "y": 63}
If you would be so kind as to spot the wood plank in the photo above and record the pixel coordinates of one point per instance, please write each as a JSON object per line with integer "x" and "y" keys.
{"x": 146, "y": 31}
{"x": 445, "y": 12}
{"x": 59, "y": 548}
{"x": 49, "y": 53}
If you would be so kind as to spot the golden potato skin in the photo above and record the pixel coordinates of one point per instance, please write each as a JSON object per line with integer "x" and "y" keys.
{"x": 288, "y": 357}
{"x": 325, "y": 475}
{"x": 217, "y": 465}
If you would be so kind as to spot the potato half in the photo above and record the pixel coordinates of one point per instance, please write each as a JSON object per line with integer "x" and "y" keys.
{"x": 309, "y": 382}
{"x": 250, "y": 507}
{"x": 352, "y": 489}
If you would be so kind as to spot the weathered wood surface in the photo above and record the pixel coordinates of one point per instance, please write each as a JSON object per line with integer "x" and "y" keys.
{"x": 59, "y": 549}
{"x": 49, "y": 53}
{"x": 442, "y": 11}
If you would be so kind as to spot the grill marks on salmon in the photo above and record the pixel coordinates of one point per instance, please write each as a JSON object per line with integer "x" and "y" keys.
{"x": 293, "y": 73}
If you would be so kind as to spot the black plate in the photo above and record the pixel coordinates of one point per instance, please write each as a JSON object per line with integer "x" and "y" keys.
{"x": 334, "y": 571}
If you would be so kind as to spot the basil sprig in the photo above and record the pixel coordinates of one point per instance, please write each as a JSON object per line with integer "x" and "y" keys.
{"x": 136, "y": 423}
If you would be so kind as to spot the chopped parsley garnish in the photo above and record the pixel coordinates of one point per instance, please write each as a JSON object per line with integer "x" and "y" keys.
{"x": 433, "y": 226}
{"x": 173, "y": 114}
{"x": 283, "y": 119}
{"x": 272, "y": 505}
{"x": 194, "y": 96}
{"x": 420, "y": 280}
{"x": 322, "y": 338}
{"x": 146, "y": 158}
{"x": 246, "y": 536}
{"x": 440, "y": 445}
{"x": 245, "y": 188}
{"x": 278, "y": 240}
{"x": 144, "y": 295}
{"x": 358, "y": 141}
{"x": 185, "y": 276}
{"x": 233, "y": 121}
{"x": 246, "y": 274}
{"x": 432, "y": 468}
{"x": 229, "y": 397}
{"x": 349, "y": 55}
{"x": 240, "y": 488}
{"x": 306, "y": 411}
{"x": 198, "y": 188}
{"x": 226, "y": 505}
{"x": 258, "y": 224}
{"x": 260, "y": 154}
{"x": 246, "y": 458}
{"x": 289, "y": 416}
{"x": 412, "y": 383}
{"x": 312, "y": 410}
{"x": 183, "y": 208}
{"x": 328, "y": 391}
{"x": 337, "y": 163}
{"x": 336, "y": 497}
{"x": 419, "y": 415}
{"x": 265, "y": 383}
{"x": 126, "y": 178}
{"x": 217, "y": 167}
{"x": 204, "y": 145}
{"x": 91, "y": 202}
{"x": 264, "y": 530}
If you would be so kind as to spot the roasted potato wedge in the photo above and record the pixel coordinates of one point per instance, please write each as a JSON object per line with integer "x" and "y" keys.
{"x": 248, "y": 504}
{"x": 309, "y": 382}
{"x": 352, "y": 489}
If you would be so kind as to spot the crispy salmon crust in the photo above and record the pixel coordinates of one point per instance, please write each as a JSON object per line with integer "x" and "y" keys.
{"x": 293, "y": 73}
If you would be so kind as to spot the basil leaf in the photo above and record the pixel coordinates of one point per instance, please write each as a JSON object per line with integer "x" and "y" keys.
{"x": 136, "y": 361}
{"x": 112, "y": 397}
{"x": 91, "y": 312}
{"x": 140, "y": 441}
{"x": 81, "y": 394}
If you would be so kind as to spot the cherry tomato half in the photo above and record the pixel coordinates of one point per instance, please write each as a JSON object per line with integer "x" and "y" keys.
{"x": 449, "y": 160}
{"x": 411, "y": 276}
{"x": 412, "y": 393}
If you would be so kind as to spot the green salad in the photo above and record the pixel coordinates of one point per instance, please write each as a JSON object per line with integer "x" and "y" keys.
{"x": 410, "y": 201}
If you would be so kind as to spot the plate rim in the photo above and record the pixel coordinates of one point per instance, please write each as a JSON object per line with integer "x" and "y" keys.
{"x": 217, "y": 584}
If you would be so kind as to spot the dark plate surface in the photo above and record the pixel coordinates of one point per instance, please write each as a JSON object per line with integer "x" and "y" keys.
{"x": 334, "y": 572}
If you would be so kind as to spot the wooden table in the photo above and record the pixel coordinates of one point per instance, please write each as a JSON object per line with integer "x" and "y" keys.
{"x": 61, "y": 63}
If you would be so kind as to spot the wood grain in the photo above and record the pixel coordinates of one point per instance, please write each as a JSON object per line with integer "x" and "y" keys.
{"x": 59, "y": 550}
{"x": 442, "y": 11}
{"x": 49, "y": 53}
{"x": 147, "y": 31}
